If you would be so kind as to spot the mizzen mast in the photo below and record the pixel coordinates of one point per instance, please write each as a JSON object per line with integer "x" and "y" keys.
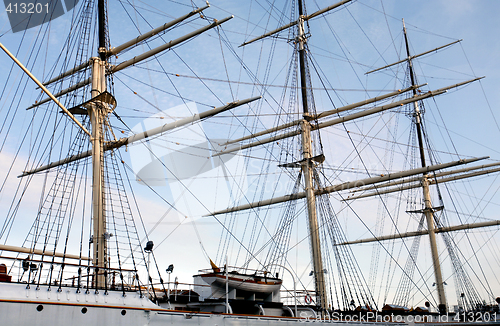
{"x": 428, "y": 209}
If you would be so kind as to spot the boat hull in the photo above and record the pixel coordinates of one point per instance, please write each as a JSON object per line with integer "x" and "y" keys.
{"x": 243, "y": 282}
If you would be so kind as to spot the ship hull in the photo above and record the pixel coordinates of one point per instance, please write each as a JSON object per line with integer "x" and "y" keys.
{"x": 20, "y": 305}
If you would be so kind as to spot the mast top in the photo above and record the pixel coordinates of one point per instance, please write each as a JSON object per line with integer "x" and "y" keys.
{"x": 301, "y": 18}
{"x": 102, "y": 29}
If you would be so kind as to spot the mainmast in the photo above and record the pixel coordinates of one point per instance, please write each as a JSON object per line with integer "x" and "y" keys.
{"x": 307, "y": 170}
{"x": 97, "y": 112}
{"x": 428, "y": 209}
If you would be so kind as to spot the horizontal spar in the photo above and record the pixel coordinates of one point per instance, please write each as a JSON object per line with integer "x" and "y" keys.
{"x": 332, "y": 122}
{"x": 325, "y": 114}
{"x": 305, "y": 18}
{"x": 168, "y": 45}
{"x": 346, "y": 118}
{"x": 423, "y": 232}
{"x": 40, "y": 252}
{"x": 70, "y": 72}
{"x": 435, "y": 175}
{"x": 346, "y": 186}
{"x": 128, "y": 140}
{"x": 116, "y": 50}
{"x": 368, "y": 101}
{"x": 182, "y": 122}
{"x": 413, "y": 57}
{"x": 431, "y": 182}
{"x": 126, "y": 45}
{"x": 140, "y": 58}
{"x": 61, "y": 93}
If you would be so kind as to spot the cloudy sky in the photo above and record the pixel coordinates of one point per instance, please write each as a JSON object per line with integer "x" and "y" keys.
{"x": 344, "y": 43}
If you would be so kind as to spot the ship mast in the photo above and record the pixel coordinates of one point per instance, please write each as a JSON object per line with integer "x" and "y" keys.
{"x": 307, "y": 170}
{"x": 98, "y": 109}
{"x": 428, "y": 209}
{"x": 378, "y": 184}
{"x": 96, "y": 113}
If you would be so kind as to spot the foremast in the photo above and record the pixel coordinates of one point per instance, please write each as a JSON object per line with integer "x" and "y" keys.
{"x": 97, "y": 113}
{"x": 428, "y": 209}
{"x": 98, "y": 109}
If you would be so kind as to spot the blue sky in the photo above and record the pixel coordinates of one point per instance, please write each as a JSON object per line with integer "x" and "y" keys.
{"x": 363, "y": 35}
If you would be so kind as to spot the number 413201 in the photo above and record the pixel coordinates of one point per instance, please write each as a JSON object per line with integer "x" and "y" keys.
{"x": 27, "y": 8}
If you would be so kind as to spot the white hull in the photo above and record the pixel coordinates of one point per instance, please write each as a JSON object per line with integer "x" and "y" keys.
{"x": 18, "y": 306}
{"x": 21, "y": 306}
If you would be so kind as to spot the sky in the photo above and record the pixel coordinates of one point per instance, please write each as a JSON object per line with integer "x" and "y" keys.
{"x": 362, "y": 39}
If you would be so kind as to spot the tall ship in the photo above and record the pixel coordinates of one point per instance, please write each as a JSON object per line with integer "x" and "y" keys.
{"x": 257, "y": 163}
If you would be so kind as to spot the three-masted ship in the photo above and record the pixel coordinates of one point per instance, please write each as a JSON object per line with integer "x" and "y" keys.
{"x": 111, "y": 279}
